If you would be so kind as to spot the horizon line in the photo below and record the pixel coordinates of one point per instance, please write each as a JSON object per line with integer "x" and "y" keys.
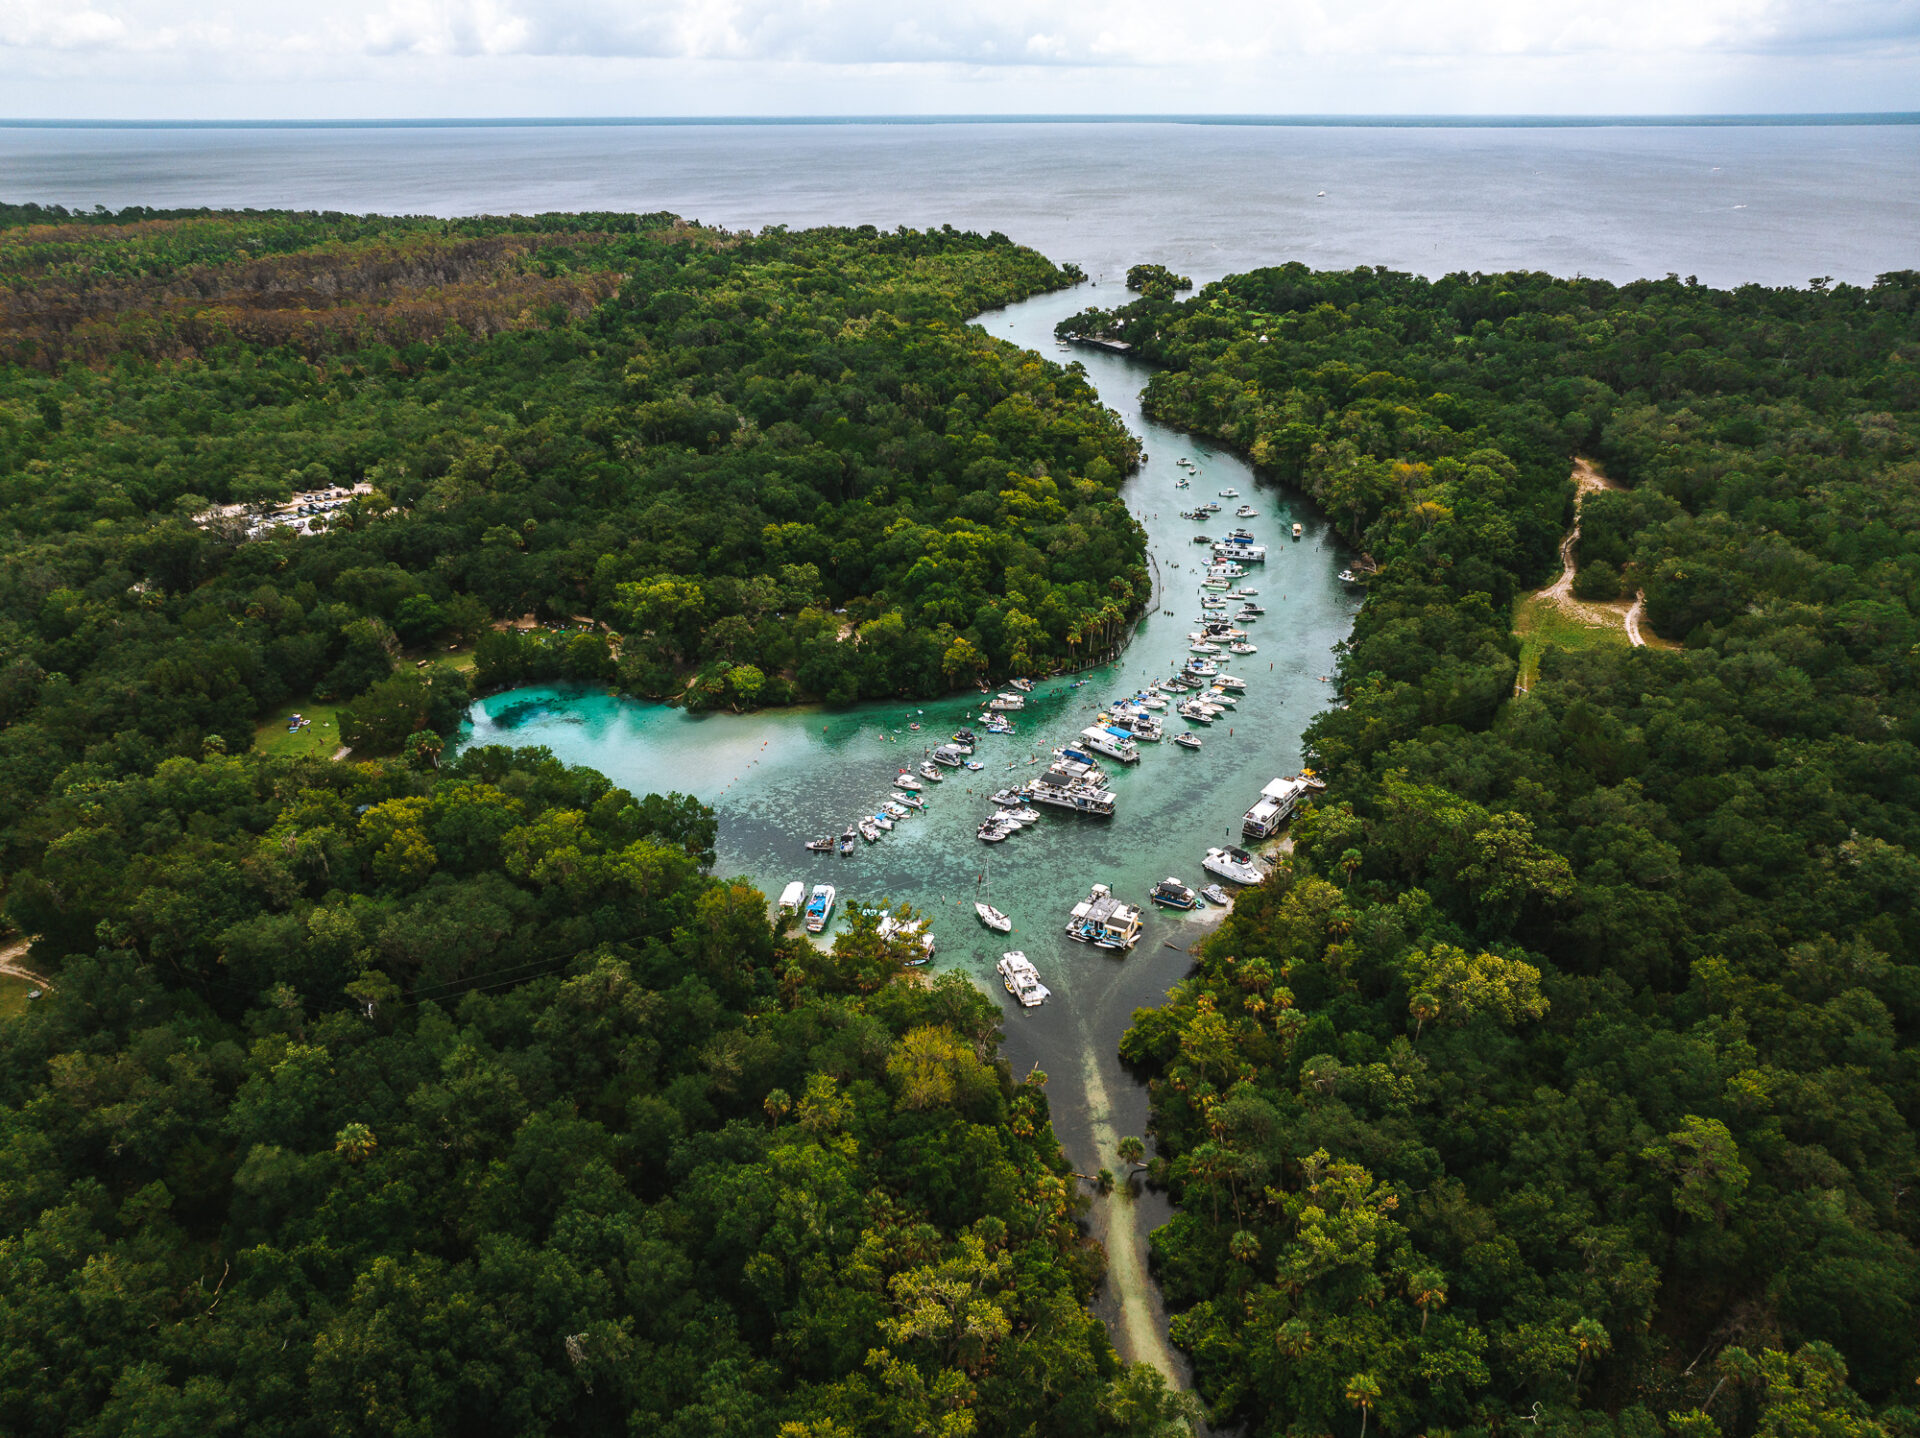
{"x": 1361, "y": 121}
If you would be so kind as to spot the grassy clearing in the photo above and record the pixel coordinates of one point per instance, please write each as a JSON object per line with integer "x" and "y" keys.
{"x": 13, "y": 996}
{"x": 319, "y": 740}
{"x": 1541, "y": 624}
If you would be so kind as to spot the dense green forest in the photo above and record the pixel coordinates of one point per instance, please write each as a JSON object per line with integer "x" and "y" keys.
{"x": 380, "y": 1100}
{"x": 1565, "y": 1077}
{"x": 419, "y": 1095}
{"x": 739, "y": 469}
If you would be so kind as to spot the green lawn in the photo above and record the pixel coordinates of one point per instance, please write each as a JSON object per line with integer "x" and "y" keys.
{"x": 1541, "y": 623}
{"x": 320, "y": 739}
{"x": 13, "y": 996}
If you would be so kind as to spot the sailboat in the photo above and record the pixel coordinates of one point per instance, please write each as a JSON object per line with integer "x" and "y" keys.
{"x": 989, "y": 915}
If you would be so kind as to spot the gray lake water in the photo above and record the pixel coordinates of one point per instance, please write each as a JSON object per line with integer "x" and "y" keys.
{"x": 1731, "y": 204}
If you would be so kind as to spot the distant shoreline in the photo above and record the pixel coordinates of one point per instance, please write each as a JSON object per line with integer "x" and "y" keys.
{"x": 1378, "y": 122}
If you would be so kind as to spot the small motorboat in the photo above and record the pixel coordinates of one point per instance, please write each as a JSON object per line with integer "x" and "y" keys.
{"x": 904, "y": 780}
{"x": 1201, "y": 539}
{"x": 895, "y": 809}
{"x": 1011, "y": 796}
{"x": 1240, "y": 646}
{"x": 992, "y": 832}
{"x": 869, "y": 831}
{"x": 931, "y": 771}
{"x": 1214, "y": 894}
{"x": 1298, "y": 529}
{"x": 1022, "y": 980}
{"x": 819, "y": 906}
{"x": 1020, "y": 816}
{"x": 1347, "y": 576}
{"x": 1025, "y": 686}
{"x": 993, "y": 918}
{"x": 912, "y": 801}
{"x": 1245, "y": 511}
{"x": 846, "y": 840}
{"x": 1234, "y": 864}
{"x": 1186, "y": 741}
{"x": 1229, "y": 493}
{"x": 820, "y": 846}
{"x": 792, "y": 897}
{"x": 881, "y": 821}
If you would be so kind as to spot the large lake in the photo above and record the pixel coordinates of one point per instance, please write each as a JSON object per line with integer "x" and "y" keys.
{"x": 1731, "y": 204}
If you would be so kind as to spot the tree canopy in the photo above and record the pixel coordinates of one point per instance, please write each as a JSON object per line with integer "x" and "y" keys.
{"x": 1564, "y": 1072}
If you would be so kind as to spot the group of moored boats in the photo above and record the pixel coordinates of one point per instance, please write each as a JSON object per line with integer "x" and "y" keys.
{"x": 1197, "y": 691}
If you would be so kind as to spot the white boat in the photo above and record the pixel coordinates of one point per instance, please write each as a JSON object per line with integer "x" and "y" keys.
{"x": 993, "y": 918}
{"x": 904, "y": 780}
{"x": 1022, "y": 980}
{"x": 1234, "y": 864}
{"x": 895, "y": 809}
{"x": 950, "y": 755}
{"x": 1347, "y": 576}
{"x": 1022, "y": 817}
{"x": 869, "y": 831}
{"x": 912, "y": 801}
{"x": 1297, "y": 531}
{"x": 1001, "y": 703}
{"x": 1251, "y": 611}
{"x": 1111, "y": 741}
{"x": 1023, "y": 686}
{"x": 993, "y": 832}
{"x": 1245, "y": 511}
{"x": 881, "y": 821}
{"x": 1199, "y": 713}
{"x": 1240, "y": 646}
{"x": 819, "y": 906}
{"x": 1215, "y": 894}
{"x": 931, "y": 771}
{"x": 1230, "y": 684}
{"x": 820, "y": 846}
{"x": 1203, "y": 648}
{"x": 792, "y": 896}
{"x": 1229, "y": 493}
{"x": 1064, "y": 789}
{"x": 1186, "y": 741}
{"x": 1275, "y": 805}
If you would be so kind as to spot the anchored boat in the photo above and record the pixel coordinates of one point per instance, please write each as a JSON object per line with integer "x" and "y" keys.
{"x": 819, "y": 906}
{"x": 1022, "y": 980}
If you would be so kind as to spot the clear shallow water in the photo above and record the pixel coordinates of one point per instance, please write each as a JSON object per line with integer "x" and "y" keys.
{"x": 779, "y": 778}
{"x": 1730, "y": 204}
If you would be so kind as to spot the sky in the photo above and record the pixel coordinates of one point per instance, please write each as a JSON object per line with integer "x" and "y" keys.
{"x": 216, "y": 59}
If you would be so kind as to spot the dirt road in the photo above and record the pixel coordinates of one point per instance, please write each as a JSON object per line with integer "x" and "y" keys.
{"x": 10, "y": 957}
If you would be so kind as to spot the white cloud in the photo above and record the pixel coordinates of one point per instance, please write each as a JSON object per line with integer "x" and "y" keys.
{"x": 1223, "y": 54}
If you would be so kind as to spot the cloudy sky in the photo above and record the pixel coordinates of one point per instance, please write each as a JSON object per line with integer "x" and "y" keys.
{"x": 436, "y": 58}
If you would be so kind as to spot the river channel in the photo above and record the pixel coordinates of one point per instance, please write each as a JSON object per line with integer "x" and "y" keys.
{"x": 781, "y": 777}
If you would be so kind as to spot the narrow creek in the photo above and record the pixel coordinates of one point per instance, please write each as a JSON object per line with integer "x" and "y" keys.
{"x": 781, "y": 777}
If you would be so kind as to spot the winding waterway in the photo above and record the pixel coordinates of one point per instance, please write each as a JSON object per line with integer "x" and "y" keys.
{"x": 779, "y": 778}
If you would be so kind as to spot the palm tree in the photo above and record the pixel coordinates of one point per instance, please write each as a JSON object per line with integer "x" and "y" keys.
{"x": 1426, "y": 1288}
{"x": 1425, "y": 1008}
{"x": 1363, "y": 1391}
{"x": 1132, "y": 1151}
{"x": 1591, "y": 1341}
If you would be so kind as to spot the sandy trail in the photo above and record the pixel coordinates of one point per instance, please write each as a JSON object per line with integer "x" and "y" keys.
{"x": 10, "y": 958}
{"x": 1587, "y": 480}
{"x": 1634, "y": 637}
